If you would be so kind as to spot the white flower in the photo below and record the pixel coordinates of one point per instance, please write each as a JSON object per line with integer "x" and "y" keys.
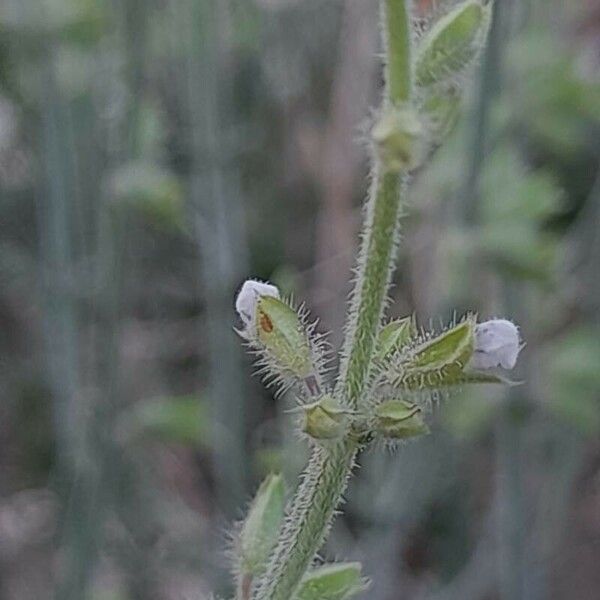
{"x": 497, "y": 344}
{"x": 248, "y": 297}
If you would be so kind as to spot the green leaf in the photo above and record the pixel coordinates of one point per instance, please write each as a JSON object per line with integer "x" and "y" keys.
{"x": 332, "y": 582}
{"x": 453, "y": 43}
{"x": 395, "y": 335}
{"x": 261, "y": 527}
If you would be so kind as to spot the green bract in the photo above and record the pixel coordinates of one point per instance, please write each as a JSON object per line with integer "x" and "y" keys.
{"x": 399, "y": 419}
{"x": 332, "y": 582}
{"x": 260, "y": 529}
{"x": 282, "y": 334}
{"x": 453, "y": 43}
{"x": 324, "y": 419}
{"x": 437, "y": 362}
{"x": 395, "y": 335}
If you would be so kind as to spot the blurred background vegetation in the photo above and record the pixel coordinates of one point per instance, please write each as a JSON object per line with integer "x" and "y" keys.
{"x": 154, "y": 153}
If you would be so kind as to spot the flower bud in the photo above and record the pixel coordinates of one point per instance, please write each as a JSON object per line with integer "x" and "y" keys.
{"x": 399, "y": 419}
{"x": 332, "y": 582}
{"x": 248, "y": 297}
{"x": 453, "y": 43}
{"x": 399, "y": 139}
{"x": 497, "y": 344}
{"x": 324, "y": 419}
{"x": 260, "y": 529}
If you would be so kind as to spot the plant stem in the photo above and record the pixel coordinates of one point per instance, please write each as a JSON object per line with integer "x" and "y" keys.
{"x": 309, "y": 520}
{"x": 397, "y": 38}
{"x": 328, "y": 470}
{"x": 375, "y": 264}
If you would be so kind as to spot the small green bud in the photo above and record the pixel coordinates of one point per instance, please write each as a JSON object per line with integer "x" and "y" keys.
{"x": 395, "y": 335}
{"x": 261, "y": 527}
{"x": 282, "y": 334}
{"x": 332, "y": 582}
{"x": 399, "y": 139}
{"x": 453, "y": 43}
{"x": 437, "y": 362}
{"x": 324, "y": 419}
{"x": 399, "y": 419}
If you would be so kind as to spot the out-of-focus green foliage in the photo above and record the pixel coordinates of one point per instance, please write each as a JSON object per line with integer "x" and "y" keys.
{"x": 558, "y": 103}
{"x": 150, "y": 190}
{"x": 516, "y": 204}
{"x": 182, "y": 420}
{"x": 573, "y": 379}
{"x": 74, "y": 21}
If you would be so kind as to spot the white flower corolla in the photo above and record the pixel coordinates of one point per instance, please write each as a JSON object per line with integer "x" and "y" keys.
{"x": 497, "y": 344}
{"x": 248, "y": 297}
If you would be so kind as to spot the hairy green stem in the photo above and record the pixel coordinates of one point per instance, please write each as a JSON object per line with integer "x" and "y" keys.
{"x": 325, "y": 479}
{"x": 397, "y": 37}
{"x": 375, "y": 263}
{"x": 328, "y": 470}
{"x": 309, "y": 519}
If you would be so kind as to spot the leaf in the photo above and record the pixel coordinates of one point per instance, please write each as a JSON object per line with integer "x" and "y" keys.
{"x": 332, "y": 582}
{"x": 395, "y": 335}
{"x": 261, "y": 527}
{"x": 453, "y": 43}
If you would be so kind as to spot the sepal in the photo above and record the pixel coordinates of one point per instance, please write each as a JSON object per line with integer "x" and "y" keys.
{"x": 399, "y": 419}
{"x": 281, "y": 332}
{"x": 436, "y": 362}
{"x": 338, "y": 581}
{"x": 325, "y": 419}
